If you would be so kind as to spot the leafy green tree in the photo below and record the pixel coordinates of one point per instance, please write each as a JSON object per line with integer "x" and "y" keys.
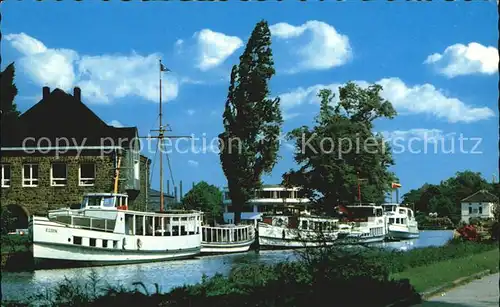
{"x": 341, "y": 149}
{"x": 445, "y": 198}
{"x": 204, "y": 197}
{"x": 252, "y": 121}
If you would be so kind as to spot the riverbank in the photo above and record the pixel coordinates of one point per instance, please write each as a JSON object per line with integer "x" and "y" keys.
{"x": 317, "y": 277}
{"x": 425, "y": 278}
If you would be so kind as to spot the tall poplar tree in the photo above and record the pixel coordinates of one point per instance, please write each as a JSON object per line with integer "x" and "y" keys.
{"x": 252, "y": 121}
{"x": 9, "y": 113}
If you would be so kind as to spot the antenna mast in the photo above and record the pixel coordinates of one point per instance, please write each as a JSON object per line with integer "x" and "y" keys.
{"x": 161, "y": 135}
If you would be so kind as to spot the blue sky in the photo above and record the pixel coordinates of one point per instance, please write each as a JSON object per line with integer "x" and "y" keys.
{"x": 436, "y": 61}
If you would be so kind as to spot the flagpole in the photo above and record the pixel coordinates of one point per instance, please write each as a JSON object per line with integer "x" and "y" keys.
{"x": 160, "y": 139}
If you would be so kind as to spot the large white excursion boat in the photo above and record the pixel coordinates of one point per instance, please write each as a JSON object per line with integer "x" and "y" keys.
{"x": 401, "y": 223}
{"x": 281, "y": 231}
{"x": 102, "y": 231}
{"x": 229, "y": 238}
{"x": 362, "y": 223}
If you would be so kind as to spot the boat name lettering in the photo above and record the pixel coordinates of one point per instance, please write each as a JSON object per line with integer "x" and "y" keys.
{"x": 51, "y": 230}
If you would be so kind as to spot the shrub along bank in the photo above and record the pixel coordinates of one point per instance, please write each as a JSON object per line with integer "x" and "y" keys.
{"x": 321, "y": 277}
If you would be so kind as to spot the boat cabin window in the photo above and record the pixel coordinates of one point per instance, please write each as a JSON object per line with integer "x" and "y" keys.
{"x": 391, "y": 220}
{"x": 108, "y": 202}
{"x": 402, "y": 211}
{"x": 98, "y": 201}
{"x": 304, "y": 225}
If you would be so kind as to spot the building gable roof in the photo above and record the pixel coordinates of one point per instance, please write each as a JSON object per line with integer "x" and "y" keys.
{"x": 481, "y": 196}
{"x": 60, "y": 115}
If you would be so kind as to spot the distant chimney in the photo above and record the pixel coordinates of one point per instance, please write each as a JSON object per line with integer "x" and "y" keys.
{"x": 77, "y": 93}
{"x": 45, "y": 92}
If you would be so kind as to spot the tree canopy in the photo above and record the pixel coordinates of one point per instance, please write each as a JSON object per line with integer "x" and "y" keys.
{"x": 342, "y": 148}
{"x": 9, "y": 113}
{"x": 204, "y": 197}
{"x": 252, "y": 120}
{"x": 445, "y": 198}
{"x": 8, "y": 91}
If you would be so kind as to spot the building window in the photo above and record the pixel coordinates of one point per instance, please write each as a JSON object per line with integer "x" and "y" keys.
{"x": 470, "y": 210}
{"x": 5, "y": 175}
{"x": 30, "y": 175}
{"x": 87, "y": 174}
{"x": 58, "y": 174}
{"x": 480, "y": 209}
{"x": 136, "y": 170}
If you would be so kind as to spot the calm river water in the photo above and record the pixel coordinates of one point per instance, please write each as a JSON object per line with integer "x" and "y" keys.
{"x": 20, "y": 285}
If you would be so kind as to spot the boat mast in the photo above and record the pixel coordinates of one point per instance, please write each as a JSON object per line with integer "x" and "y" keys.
{"x": 160, "y": 141}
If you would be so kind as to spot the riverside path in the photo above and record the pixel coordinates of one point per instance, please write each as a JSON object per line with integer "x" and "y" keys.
{"x": 482, "y": 292}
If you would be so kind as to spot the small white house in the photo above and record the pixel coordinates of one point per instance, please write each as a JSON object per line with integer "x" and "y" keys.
{"x": 478, "y": 205}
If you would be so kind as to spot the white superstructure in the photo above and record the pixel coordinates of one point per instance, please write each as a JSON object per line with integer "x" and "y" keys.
{"x": 400, "y": 221}
{"x": 362, "y": 223}
{"x": 270, "y": 199}
{"x": 102, "y": 231}
{"x": 279, "y": 231}
{"x": 221, "y": 239}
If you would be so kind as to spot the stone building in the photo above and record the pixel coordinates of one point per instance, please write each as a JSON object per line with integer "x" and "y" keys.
{"x": 59, "y": 150}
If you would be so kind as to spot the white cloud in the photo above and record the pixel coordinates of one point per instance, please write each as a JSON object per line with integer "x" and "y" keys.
{"x": 460, "y": 60}
{"x": 421, "y": 134}
{"x": 43, "y": 65}
{"x": 193, "y": 163}
{"x": 115, "y": 123}
{"x": 115, "y": 76}
{"x": 190, "y": 112}
{"x": 213, "y": 48}
{"x": 416, "y": 99}
{"x": 287, "y": 116}
{"x": 325, "y": 48}
{"x": 102, "y": 78}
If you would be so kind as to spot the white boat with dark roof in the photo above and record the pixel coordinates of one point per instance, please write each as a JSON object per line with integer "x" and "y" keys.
{"x": 401, "y": 223}
{"x": 362, "y": 223}
{"x": 102, "y": 232}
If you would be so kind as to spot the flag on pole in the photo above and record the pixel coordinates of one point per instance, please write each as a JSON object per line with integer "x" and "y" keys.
{"x": 395, "y": 185}
{"x": 163, "y": 68}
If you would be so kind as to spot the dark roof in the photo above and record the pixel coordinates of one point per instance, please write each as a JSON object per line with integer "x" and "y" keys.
{"x": 156, "y": 194}
{"x": 61, "y": 115}
{"x": 481, "y": 196}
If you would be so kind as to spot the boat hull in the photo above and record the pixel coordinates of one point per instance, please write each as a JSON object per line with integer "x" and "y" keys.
{"x": 55, "y": 243}
{"x": 275, "y": 237}
{"x": 279, "y": 243}
{"x": 402, "y": 235}
{"x": 357, "y": 239}
{"x": 225, "y": 248}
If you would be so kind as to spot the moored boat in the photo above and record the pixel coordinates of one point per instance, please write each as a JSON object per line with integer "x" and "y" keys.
{"x": 281, "y": 231}
{"x": 103, "y": 232}
{"x": 401, "y": 223}
{"x": 362, "y": 223}
{"x": 229, "y": 238}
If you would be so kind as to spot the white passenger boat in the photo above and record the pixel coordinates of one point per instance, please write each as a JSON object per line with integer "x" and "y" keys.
{"x": 362, "y": 223}
{"x": 104, "y": 232}
{"x": 401, "y": 223}
{"x": 222, "y": 239}
{"x": 282, "y": 231}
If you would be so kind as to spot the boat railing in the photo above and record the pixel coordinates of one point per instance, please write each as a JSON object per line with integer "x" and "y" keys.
{"x": 85, "y": 222}
{"x": 227, "y": 235}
